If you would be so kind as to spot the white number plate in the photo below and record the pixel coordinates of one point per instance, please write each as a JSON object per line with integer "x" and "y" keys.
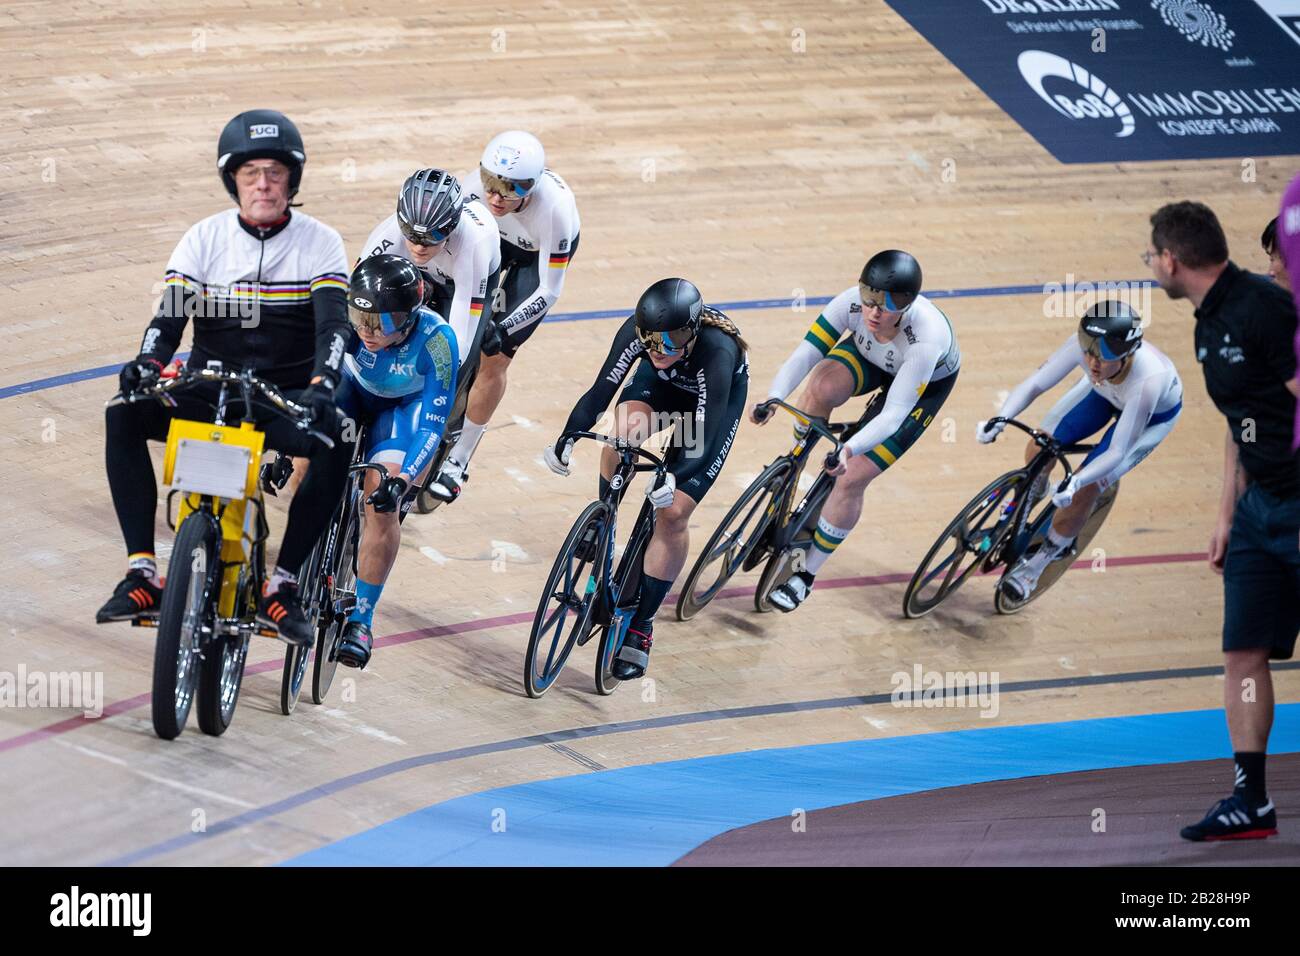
{"x": 210, "y": 468}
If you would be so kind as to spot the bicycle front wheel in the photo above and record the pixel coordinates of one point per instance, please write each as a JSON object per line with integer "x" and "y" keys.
{"x": 736, "y": 539}
{"x": 962, "y": 547}
{"x": 564, "y": 612}
{"x": 188, "y": 610}
{"x": 340, "y": 594}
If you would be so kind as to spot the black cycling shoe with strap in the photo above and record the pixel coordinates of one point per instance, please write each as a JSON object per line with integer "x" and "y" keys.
{"x": 282, "y": 610}
{"x": 633, "y": 657}
{"x": 356, "y": 645}
{"x": 135, "y": 596}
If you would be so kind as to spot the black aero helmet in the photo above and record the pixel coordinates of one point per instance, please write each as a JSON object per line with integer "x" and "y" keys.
{"x": 260, "y": 134}
{"x": 668, "y": 315}
{"x": 384, "y": 294}
{"x": 1110, "y": 330}
{"x": 429, "y": 205}
{"x": 895, "y": 273}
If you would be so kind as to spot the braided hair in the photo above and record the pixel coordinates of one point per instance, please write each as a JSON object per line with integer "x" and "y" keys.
{"x": 713, "y": 317}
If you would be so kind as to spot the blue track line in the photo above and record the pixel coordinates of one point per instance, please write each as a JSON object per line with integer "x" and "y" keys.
{"x": 104, "y": 371}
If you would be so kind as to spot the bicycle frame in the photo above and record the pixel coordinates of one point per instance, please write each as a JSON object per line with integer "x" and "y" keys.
{"x": 611, "y": 583}
{"x": 789, "y": 516}
{"x": 1021, "y": 531}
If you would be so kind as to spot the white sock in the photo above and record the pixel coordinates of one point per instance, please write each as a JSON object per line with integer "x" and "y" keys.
{"x": 147, "y": 564}
{"x": 470, "y": 435}
{"x": 1059, "y": 542}
{"x": 278, "y": 577}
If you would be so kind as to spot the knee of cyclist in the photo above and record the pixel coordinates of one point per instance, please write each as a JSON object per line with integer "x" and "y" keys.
{"x": 676, "y": 516}
{"x": 824, "y": 392}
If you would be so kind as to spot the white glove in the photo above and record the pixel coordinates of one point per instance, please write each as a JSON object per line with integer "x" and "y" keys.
{"x": 985, "y": 432}
{"x": 558, "y": 463}
{"x": 662, "y": 496}
{"x": 1066, "y": 495}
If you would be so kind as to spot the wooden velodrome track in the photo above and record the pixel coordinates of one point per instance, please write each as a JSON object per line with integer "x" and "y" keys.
{"x": 698, "y": 143}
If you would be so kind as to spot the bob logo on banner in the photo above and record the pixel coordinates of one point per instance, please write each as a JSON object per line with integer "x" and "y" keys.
{"x": 1123, "y": 80}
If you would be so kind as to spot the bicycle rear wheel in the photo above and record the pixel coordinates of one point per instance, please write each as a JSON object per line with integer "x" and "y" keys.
{"x": 188, "y": 609}
{"x": 962, "y": 547}
{"x": 1003, "y": 602}
{"x": 565, "y": 609}
{"x": 735, "y": 541}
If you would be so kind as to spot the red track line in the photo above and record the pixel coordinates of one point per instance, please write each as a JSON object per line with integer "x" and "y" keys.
{"x": 523, "y": 617}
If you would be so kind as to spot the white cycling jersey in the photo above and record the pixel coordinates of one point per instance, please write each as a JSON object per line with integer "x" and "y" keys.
{"x": 924, "y": 350}
{"x": 467, "y": 260}
{"x": 1150, "y": 387}
{"x": 545, "y": 223}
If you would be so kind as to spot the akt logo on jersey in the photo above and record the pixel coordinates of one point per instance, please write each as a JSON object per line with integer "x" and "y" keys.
{"x": 1098, "y": 99}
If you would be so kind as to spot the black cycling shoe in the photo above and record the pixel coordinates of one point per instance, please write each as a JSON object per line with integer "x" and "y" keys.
{"x": 1234, "y": 819}
{"x": 135, "y": 596}
{"x": 356, "y": 645}
{"x": 283, "y": 611}
{"x": 633, "y": 657}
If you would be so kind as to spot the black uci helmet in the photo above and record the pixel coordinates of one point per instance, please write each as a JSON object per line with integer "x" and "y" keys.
{"x": 260, "y": 134}
{"x": 896, "y": 278}
{"x": 668, "y": 315}
{"x": 1110, "y": 330}
{"x": 428, "y": 207}
{"x": 384, "y": 294}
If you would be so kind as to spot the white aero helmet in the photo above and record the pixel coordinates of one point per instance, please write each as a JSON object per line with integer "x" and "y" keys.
{"x": 512, "y": 163}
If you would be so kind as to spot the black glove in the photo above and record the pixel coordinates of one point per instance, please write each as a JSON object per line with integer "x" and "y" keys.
{"x": 388, "y": 495}
{"x": 319, "y": 397}
{"x": 138, "y": 373}
{"x": 494, "y": 338}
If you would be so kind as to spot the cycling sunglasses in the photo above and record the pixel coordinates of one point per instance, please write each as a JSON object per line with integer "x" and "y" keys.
{"x": 665, "y": 343}
{"x": 422, "y": 235}
{"x": 507, "y": 188}
{"x": 379, "y": 323}
{"x": 884, "y": 301}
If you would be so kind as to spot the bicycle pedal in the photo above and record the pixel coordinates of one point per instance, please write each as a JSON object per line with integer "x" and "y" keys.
{"x": 144, "y": 622}
{"x": 268, "y": 632}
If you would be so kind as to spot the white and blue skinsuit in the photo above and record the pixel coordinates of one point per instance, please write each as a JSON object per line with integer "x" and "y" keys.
{"x": 404, "y": 393}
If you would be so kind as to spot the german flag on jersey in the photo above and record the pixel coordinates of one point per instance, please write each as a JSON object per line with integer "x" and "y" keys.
{"x": 822, "y": 335}
{"x": 476, "y": 306}
{"x": 560, "y": 260}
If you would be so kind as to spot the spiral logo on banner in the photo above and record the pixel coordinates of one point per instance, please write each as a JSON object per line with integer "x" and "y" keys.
{"x": 1098, "y": 100}
{"x": 1196, "y": 21}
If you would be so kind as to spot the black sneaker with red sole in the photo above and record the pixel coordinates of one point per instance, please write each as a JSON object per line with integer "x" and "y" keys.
{"x": 1234, "y": 819}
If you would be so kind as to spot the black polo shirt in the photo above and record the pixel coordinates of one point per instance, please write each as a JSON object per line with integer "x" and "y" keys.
{"x": 1245, "y": 329}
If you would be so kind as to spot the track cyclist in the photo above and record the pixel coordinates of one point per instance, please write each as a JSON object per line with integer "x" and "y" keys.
{"x": 400, "y": 380}
{"x": 689, "y": 360}
{"x": 266, "y": 287}
{"x": 537, "y": 218}
{"x": 453, "y": 243}
{"x": 1135, "y": 389}
{"x": 900, "y": 343}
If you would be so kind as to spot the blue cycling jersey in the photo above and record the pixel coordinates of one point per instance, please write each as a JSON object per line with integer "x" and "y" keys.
{"x": 421, "y": 368}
